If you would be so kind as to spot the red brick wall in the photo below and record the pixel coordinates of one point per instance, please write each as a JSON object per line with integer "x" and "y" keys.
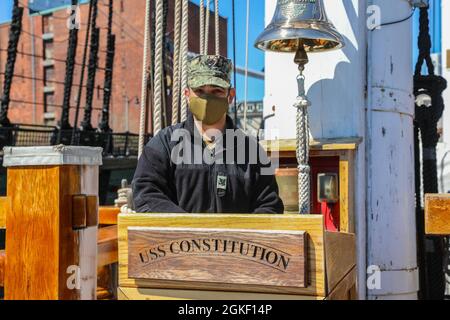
{"x": 129, "y": 29}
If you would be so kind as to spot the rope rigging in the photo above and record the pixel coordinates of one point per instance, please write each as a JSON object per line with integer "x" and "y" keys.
{"x": 144, "y": 78}
{"x": 429, "y": 109}
{"x": 14, "y": 36}
{"x": 71, "y": 54}
{"x": 111, "y": 43}
{"x": 217, "y": 26}
{"x": 207, "y": 20}
{"x": 158, "y": 89}
{"x": 176, "y": 92}
{"x": 92, "y": 68}
{"x": 184, "y": 56}
{"x": 202, "y": 26}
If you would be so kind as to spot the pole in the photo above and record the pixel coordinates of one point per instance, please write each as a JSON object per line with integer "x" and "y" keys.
{"x": 391, "y": 225}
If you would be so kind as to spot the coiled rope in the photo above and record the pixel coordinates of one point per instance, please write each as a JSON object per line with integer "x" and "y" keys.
{"x": 159, "y": 41}
{"x": 184, "y": 56}
{"x": 144, "y": 79}
{"x": 202, "y": 26}
{"x": 207, "y": 19}
{"x": 217, "y": 23}
{"x": 176, "y": 93}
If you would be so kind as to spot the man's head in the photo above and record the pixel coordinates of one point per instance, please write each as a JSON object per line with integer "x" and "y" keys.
{"x": 209, "y": 88}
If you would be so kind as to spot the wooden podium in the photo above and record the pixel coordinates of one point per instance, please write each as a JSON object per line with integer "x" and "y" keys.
{"x": 218, "y": 257}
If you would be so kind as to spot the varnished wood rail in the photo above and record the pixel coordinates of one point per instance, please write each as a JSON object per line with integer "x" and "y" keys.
{"x": 2, "y": 267}
{"x": 437, "y": 214}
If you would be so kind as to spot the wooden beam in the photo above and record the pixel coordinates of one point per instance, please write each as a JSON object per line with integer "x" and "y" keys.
{"x": 48, "y": 259}
{"x": 312, "y": 224}
{"x": 437, "y": 214}
{"x": 2, "y": 267}
{"x": 346, "y": 289}
{"x": 340, "y": 257}
{"x": 108, "y": 215}
{"x": 125, "y": 293}
{"x": 4, "y": 207}
{"x": 107, "y": 246}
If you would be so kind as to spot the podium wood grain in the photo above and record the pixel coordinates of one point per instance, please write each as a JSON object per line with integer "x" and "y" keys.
{"x": 218, "y": 256}
{"x": 312, "y": 225}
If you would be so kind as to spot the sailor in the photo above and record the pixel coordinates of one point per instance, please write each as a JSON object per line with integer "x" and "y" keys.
{"x": 206, "y": 164}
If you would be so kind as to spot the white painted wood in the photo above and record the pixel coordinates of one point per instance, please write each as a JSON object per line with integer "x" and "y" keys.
{"x": 391, "y": 225}
{"x": 88, "y": 238}
{"x": 51, "y": 155}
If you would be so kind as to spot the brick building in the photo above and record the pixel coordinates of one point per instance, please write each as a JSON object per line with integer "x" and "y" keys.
{"x": 39, "y": 101}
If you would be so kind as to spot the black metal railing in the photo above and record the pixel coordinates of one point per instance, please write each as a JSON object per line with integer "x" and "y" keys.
{"x": 113, "y": 144}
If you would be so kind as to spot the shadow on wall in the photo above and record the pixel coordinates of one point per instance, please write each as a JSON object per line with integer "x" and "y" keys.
{"x": 333, "y": 100}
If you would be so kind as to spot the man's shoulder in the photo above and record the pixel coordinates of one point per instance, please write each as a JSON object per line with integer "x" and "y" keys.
{"x": 164, "y": 136}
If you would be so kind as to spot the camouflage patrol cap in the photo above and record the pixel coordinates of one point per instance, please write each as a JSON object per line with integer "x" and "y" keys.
{"x": 209, "y": 70}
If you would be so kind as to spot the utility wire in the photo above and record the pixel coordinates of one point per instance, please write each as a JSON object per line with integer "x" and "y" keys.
{"x": 45, "y": 104}
{"x": 46, "y": 81}
{"x": 50, "y": 59}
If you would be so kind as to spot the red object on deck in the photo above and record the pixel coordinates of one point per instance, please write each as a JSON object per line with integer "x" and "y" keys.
{"x": 332, "y": 216}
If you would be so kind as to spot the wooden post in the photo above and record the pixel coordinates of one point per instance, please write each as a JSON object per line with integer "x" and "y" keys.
{"x": 51, "y": 239}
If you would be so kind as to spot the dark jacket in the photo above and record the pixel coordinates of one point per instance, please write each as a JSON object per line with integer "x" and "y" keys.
{"x": 165, "y": 184}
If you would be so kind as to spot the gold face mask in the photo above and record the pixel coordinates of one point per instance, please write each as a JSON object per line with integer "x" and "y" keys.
{"x": 208, "y": 109}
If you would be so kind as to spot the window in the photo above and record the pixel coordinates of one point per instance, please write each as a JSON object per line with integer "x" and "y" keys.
{"x": 47, "y": 23}
{"x": 48, "y": 49}
{"x": 49, "y": 101}
{"x": 49, "y": 76}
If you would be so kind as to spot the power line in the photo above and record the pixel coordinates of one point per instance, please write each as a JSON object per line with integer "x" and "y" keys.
{"x": 44, "y": 58}
{"x": 124, "y": 20}
{"x": 122, "y": 29}
{"x": 46, "y": 104}
{"x": 46, "y": 81}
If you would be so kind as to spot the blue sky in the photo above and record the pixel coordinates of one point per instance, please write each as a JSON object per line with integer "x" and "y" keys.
{"x": 256, "y": 57}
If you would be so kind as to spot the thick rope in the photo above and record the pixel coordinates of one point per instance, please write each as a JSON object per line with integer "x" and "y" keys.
{"x": 14, "y": 37}
{"x": 144, "y": 79}
{"x": 109, "y": 65}
{"x": 207, "y": 20}
{"x": 90, "y": 86}
{"x": 217, "y": 22}
{"x": 159, "y": 41}
{"x": 302, "y": 126}
{"x": 202, "y": 26}
{"x": 247, "y": 28}
{"x": 176, "y": 94}
{"x": 184, "y": 56}
{"x": 70, "y": 66}
{"x": 91, "y": 24}
{"x": 107, "y": 88}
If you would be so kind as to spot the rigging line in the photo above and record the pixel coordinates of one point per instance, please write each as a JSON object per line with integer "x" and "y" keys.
{"x": 47, "y": 81}
{"x": 394, "y": 22}
{"x": 46, "y": 104}
{"x": 207, "y": 22}
{"x": 202, "y": 26}
{"x": 158, "y": 89}
{"x": 145, "y": 79}
{"x": 247, "y": 27}
{"x": 124, "y": 20}
{"x": 92, "y": 15}
{"x": 123, "y": 29}
{"x": 217, "y": 26}
{"x": 184, "y": 55}
{"x": 233, "y": 7}
{"x": 176, "y": 93}
{"x": 50, "y": 59}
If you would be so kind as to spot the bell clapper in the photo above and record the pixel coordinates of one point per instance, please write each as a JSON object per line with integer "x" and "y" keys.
{"x": 302, "y": 127}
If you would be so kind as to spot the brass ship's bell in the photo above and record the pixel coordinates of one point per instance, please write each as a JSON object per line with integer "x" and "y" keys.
{"x": 299, "y": 23}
